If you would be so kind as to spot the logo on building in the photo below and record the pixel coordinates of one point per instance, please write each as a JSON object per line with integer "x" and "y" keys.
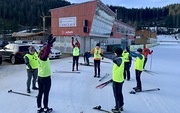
{"x": 67, "y": 33}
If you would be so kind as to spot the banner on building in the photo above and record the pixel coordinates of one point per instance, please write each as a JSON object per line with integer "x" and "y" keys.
{"x": 67, "y": 22}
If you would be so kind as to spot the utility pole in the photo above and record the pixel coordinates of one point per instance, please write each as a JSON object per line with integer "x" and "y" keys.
{"x": 44, "y": 20}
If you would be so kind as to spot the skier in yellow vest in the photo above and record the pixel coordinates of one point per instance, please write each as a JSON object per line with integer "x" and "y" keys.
{"x": 44, "y": 76}
{"x": 97, "y": 51}
{"x": 76, "y": 52}
{"x": 31, "y": 61}
{"x": 138, "y": 66}
{"x": 127, "y": 64}
{"x": 118, "y": 80}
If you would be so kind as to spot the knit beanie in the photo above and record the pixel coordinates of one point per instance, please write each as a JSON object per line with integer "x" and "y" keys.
{"x": 139, "y": 50}
{"x": 119, "y": 51}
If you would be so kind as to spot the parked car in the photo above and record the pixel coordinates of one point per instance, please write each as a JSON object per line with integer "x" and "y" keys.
{"x": 37, "y": 42}
{"x": 14, "y": 52}
{"x": 22, "y": 41}
{"x": 53, "y": 54}
{"x": 0, "y": 59}
{"x": 3, "y": 43}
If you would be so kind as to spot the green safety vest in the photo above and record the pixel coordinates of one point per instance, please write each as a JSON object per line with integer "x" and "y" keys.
{"x": 118, "y": 72}
{"x": 44, "y": 68}
{"x": 33, "y": 60}
{"x": 126, "y": 56}
{"x": 76, "y": 51}
{"x": 97, "y": 53}
{"x": 138, "y": 65}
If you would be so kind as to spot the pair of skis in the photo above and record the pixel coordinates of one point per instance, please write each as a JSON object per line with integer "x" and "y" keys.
{"x": 104, "y": 84}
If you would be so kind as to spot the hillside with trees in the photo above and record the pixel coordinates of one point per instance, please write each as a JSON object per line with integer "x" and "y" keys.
{"x": 15, "y": 14}
{"x": 168, "y": 16}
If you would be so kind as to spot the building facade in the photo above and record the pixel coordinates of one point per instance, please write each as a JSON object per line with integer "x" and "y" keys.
{"x": 90, "y": 22}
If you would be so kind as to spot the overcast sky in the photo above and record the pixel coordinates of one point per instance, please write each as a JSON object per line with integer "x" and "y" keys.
{"x": 134, "y": 3}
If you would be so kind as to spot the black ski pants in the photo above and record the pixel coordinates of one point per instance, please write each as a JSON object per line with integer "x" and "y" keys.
{"x": 75, "y": 60}
{"x": 126, "y": 70}
{"x": 97, "y": 66}
{"x": 44, "y": 88}
{"x": 31, "y": 73}
{"x": 145, "y": 60}
{"x": 117, "y": 90}
{"x": 138, "y": 78}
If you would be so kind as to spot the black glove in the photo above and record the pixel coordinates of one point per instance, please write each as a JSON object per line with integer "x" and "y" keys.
{"x": 53, "y": 40}
{"x": 151, "y": 51}
{"x": 102, "y": 58}
{"x": 72, "y": 38}
{"x": 49, "y": 39}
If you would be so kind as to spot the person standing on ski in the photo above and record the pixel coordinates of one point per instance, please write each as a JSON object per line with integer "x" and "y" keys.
{"x": 97, "y": 51}
{"x": 138, "y": 66}
{"x": 44, "y": 76}
{"x": 86, "y": 57}
{"x": 127, "y": 64}
{"x": 118, "y": 80}
{"x": 146, "y": 52}
{"x": 76, "y": 51}
{"x": 31, "y": 61}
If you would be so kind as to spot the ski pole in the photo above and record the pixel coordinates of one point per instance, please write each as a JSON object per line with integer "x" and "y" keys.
{"x": 151, "y": 62}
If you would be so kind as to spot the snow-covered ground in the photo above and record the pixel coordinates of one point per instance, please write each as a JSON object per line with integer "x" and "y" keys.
{"x": 76, "y": 93}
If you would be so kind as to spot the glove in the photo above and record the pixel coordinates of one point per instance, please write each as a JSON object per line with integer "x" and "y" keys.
{"x": 72, "y": 38}
{"x": 102, "y": 58}
{"x": 151, "y": 51}
{"x": 53, "y": 40}
{"x": 49, "y": 39}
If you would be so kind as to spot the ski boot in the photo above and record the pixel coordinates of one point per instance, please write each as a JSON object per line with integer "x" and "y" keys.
{"x": 48, "y": 110}
{"x": 138, "y": 90}
{"x": 28, "y": 90}
{"x": 40, "y": 110}
{"x": 116, "y": 110}
{"x": 135, "y": 88}
{"x": 35, "y": 88}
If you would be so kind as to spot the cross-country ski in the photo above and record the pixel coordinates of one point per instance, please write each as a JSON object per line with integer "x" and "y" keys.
{"x": 78, "y": 72}
{"x": 100, "y": 109}
{"x": 86, "y": 64}
{"x": 20, "y": 93}
{"x": 150, "y": 71}
{"x": 104, "y": 77}
{"x": 147, "y": 90}
{"x": 103, "y": 84}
